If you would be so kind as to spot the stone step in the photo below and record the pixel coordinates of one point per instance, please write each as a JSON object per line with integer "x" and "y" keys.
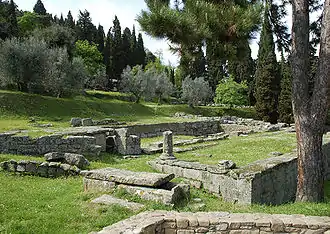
{"x": 128, "y": 177}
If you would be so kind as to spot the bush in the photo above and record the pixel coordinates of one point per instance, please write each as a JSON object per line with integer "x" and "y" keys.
{"x": 30, "y": 66}
{"x": 231, "y": 93}
{"x": 160, "y": 85}
{"x": 196, "y": 91}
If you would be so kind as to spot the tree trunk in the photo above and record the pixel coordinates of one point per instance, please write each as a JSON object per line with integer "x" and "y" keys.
{"x": 309, "y": 111}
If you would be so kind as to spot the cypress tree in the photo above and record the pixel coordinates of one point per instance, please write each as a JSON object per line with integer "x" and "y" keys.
{"x": 116, "y": 48}
{"x": 126, "y": 47}
{"x": 267, "y": 75}
{"x": 12, "y": 20}
{"x": 140, "y": 52}
{"x": 285, "y": 99}
{"x": 108, "y": 57}
{"x": 69, "y": 22}
{"x": 39, "y": 8}
{"x": 133, "y": 48}
{"x": 61, "y": 20}
{"x": 100, "y": 36}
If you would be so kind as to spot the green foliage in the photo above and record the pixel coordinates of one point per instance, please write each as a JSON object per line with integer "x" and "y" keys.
{"x": 39, "y": 8}
{"x": 93, "y": 61}
{"x": 267, "y": 86}
{"x": 196, "y": 91}
{"x": 57, "y": 36}
{"x": 30, "y": 66}
{"x": 8, "y": 20}
{"x": 69, "y": 22}
{"x": 86, "y": 30}
{"x": 29, "y": 22}
{"x": 231, "y": 93}
{"x": 149, "y": 84}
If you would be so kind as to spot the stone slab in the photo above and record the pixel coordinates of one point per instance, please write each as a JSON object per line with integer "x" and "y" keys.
{"x": 110, "y": 200}
{"x": 129, "y": 177}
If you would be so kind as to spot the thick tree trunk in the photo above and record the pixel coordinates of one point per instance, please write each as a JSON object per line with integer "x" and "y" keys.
{"x": 309, "y": 111}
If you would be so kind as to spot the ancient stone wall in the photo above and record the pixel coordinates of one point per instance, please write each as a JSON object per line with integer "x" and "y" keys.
{"x": 43, "y": 169}
{"x": 218, "y": 222}
{"x": 197, "y": 128}
{"x": 269, "y": 181}
{"x": 26, "y": 145}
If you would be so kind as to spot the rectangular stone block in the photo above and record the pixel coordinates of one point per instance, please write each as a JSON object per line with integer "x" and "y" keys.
{"x": 98, "y": 185}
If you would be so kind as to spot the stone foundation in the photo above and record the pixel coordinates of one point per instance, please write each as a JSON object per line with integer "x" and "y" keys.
{"x": 164, "y": 222}
{"x": 269, "y": 181}
{"x": 43, "y": 169}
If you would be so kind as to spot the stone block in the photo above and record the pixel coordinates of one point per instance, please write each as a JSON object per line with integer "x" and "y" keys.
{"x": 75, "y": 122}
{"x": 98, "y": 185}
{"x": 129, "y": 177}
{"x": 87, "y": 122}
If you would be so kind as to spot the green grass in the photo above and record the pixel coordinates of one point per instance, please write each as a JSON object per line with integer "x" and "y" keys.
{"x": 17, "y": 108}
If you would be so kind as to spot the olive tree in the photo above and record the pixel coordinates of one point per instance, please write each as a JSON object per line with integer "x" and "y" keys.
{"x": 196, "y": 91}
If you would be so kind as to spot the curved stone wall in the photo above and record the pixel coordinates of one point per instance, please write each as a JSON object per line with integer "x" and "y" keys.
{"x": 218, "y": 222}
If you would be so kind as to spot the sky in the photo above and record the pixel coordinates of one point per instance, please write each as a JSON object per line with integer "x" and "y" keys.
{"x": 103, "y": 12}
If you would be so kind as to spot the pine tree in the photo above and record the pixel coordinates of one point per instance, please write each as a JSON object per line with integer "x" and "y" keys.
{"x": 39, "y": 8}
{"x": 267, "y": 75}
{"x": 126, "y": 47}
{"x": 86, "y": 30}
{"x": 100, "y": 36}
{"x": 12, "y": 20}
{"x": 116, "y": 48}
{"x": 216, "y": 62}
{"x": 285, "y": 98}
{"x": 140, "y": 52}
{"x": 69, "y": 22}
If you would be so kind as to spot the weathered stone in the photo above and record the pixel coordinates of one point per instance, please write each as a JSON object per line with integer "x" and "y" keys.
{"x": 227, "y": 164}
{"x": 75, "y": 122}
{"x": 98, "y": 185}
{"x": 76, "y": 160}
{"x": 21, "y": 166}
{"x": 111, "y": 146}
{"x": 87, "y": 122}
{"x": 129, "y": 177}
{"x": 109, "y": 200}
{"x": 275, "y": 154}
{"x": 69, "y": 158}
{"x": 167, "y": 146}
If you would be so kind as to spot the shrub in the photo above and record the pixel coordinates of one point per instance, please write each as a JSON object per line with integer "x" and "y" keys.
{"x": 231, "y": 93}
{"x": 160, "y": 85}
{"x": 196, "y": 91}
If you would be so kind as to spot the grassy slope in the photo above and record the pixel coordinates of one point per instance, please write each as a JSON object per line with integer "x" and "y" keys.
{"x": 17, "y": 108}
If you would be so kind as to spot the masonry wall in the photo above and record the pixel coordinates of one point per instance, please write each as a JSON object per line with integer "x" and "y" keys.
{"x": 219, "y": 222}
{"x": 197, "y": 128}
{"x": 26, "y": 145}
{"x": 269, "y": 181}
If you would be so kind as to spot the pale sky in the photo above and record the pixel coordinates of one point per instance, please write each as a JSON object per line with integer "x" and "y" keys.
{"x": 104, "y": 11}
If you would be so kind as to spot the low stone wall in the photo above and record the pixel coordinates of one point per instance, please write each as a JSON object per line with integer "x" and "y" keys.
{"x": 197, "y": 128}
{"x": 269, "y": 181}
{"x": 218, "y": 222}
{"x": 26, "y": 145}
{"x": 43, "y": 169}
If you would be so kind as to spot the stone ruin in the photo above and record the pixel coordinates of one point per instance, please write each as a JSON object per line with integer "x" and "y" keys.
{"x": 148, "y": 186}
{"x": 173, "y": 222}
{"x": 268, "y": 181}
